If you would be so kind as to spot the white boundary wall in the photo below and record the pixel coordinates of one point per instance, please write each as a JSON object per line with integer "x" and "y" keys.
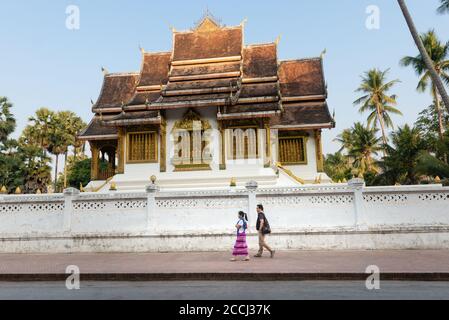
{"x": 344, "y": 216}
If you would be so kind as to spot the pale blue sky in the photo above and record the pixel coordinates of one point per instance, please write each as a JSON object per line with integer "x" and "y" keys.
{"x": 44, "y": 64}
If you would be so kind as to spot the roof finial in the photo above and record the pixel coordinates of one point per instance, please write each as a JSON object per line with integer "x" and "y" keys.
{"x": 105, "y": 71}
{"x": 172, "y": 29}
{"x": 243, "y": 23}
{"x": 323, "y": 53}
{"x": 92, "y": 101}
{"x": 142, "y": 50}
{"x": 278, "y": 39}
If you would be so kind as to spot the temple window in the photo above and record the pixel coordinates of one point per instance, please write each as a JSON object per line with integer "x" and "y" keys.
{"x": 292, "y": 150}
{"x": 244, "y": 143}
{"x": 142, "y": 147}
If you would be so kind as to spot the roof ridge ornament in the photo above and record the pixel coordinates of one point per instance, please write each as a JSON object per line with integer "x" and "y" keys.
{"x": 323, "y": 53}
{"x": 105, "y": 71}
{"x": 208, "y": 22}
{"x": 278, "y": 39}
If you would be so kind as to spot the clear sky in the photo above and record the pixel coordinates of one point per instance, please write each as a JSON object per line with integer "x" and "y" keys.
{"x": 42, "y": 63}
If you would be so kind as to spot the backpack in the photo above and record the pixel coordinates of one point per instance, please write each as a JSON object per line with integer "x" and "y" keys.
{"x": 266, "y": 225}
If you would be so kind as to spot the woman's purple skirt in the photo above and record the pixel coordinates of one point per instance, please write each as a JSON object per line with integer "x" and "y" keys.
{"x": 240, "y": 247}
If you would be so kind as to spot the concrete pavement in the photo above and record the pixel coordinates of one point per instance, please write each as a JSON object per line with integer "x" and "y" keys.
{"x": 287, "y": 265}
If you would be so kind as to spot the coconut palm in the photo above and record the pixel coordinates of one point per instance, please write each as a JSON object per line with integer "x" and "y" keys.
{"x": 365, "y": 145}
{"x": 377, "y": 100}
{"x": 439, "y": 55}
{"x": 425, "y": 56}
{"x": 336, "y": 166}
{"x": 444, "y": 7}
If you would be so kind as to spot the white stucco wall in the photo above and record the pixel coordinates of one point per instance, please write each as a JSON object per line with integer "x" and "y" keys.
{"x": 310, "y": 217}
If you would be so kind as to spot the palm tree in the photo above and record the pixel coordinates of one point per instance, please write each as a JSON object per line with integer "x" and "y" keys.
{"x": 365, "y": 146}
{"x": 376, "y": 99}
{"x": 336, "y": 166}
{"x": 400, "y": 165}
{"x": 426, "y": 58}
{"x": 7, "y": 120}
{"x": 439, "y": 55}
{"x": 38, "y": 129}
{"x": 444, "y": 7}
{"x": 72, "y": 125}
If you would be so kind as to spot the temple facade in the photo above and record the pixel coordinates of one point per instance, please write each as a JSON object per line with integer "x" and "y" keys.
{"x": 211, "y": 113}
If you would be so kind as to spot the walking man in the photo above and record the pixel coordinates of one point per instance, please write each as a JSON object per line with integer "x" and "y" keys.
{"x": 263, "y": 228}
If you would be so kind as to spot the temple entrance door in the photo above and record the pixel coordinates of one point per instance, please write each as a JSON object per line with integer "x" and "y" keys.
{"x": 192, "y": 140}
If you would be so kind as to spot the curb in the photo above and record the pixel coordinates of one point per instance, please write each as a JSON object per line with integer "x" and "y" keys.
{"x": 224, "y": 277}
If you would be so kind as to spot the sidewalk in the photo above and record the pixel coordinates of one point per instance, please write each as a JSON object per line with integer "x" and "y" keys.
{"x": 287, "y": 265}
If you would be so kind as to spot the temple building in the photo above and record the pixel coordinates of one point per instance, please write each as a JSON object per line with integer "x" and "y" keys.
{"x": 210, "y": 113}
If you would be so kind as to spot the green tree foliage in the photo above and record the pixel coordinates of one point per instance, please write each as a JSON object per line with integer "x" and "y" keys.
{"x": 377, "y": 100}
{"x": 11, "y": 166}
{"x": 7, "y": 120}
{"x": 79, "y": 172}
{"x": 36, "y": 169}
{"x": 444, "y": 7}
{"x": 336, "y": 167}
{"x": 403, "y": 155}
{"x": 428, "y": 124}
{"x": 55, "y": 132}
{"x": 365, "y": 146}
{"x": 439, "y": 54}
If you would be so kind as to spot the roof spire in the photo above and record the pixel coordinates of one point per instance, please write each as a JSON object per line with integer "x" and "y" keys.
{"x": 278, "y": 39}
{"x": 105, "y": 71}
{"x": 323, "y": 53}
{"x": 208, "y": 22}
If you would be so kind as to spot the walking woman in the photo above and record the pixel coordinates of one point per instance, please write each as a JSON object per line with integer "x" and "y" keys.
{"x": 240, "y": 247}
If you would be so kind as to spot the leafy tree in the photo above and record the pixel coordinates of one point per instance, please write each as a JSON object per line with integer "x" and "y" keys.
{"x": 400, "y": 163}
{"x": 11, "y": 166}
{"x": 7, "y": 120}
{"x": 439, "y": 55}
{"x": 55, "y": 132}
{"x": 336, "y": 167}
{"x": 36, "y": 168}
{"x": 444, "y": 7}
{"x": 376, "y": 99}
{"x": 79, "y": 172}
{"x": 428, "y": 124}
{"x": 366, "y": 145}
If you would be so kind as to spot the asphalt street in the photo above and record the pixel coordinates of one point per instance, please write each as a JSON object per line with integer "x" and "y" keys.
{"x": 299, "y": 290}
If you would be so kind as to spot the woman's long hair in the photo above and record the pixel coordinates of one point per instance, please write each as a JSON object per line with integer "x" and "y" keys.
{"x": 243, "y": 215}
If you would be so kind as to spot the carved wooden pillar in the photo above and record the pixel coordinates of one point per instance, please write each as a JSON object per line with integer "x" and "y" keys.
{"x": 223, "y": 146}
{"x": 319, "y": 151}
{"x": 268, "y": 142}
{"x": 121, "y": 151}
{"x": 94, "y": 163}
{"x": 163, "y": 144}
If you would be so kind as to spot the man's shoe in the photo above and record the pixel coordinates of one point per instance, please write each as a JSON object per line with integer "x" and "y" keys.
{"x": 272, "y": 254}
{"x": 258, "y": 255}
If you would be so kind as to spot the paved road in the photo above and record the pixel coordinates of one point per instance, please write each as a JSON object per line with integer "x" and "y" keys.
{"x": 224, "y": 290}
